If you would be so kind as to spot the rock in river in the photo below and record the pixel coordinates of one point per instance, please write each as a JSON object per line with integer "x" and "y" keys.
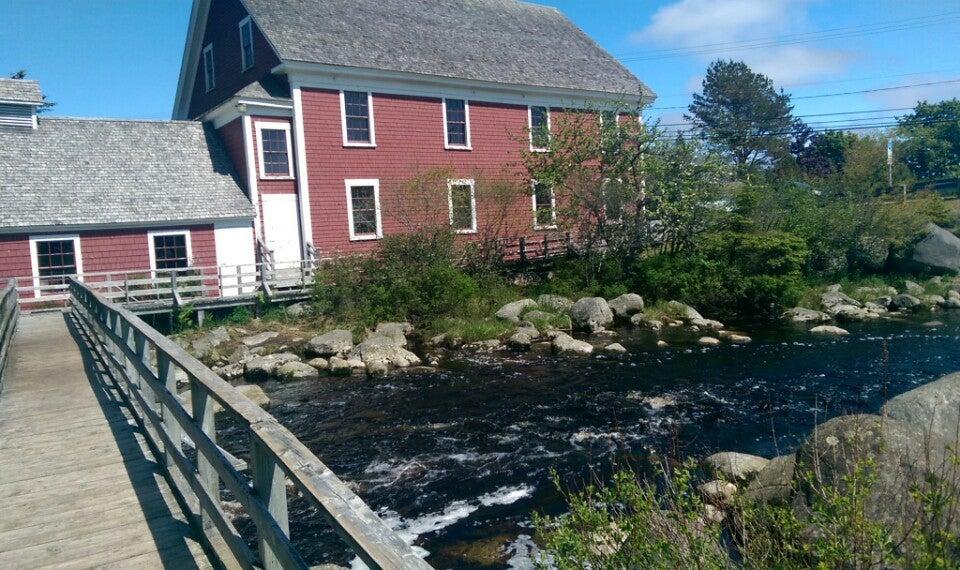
{"x": 296, "y": 370}
{"x": 735, "y": 466}
{"x": 555, "y": 303}
{"x": 626, "y": 305}
{"x": 708, "y": 341}
{"x": 385, "y": 349}
{"x": 260, "y": 338}
{"x": 829, "y": 330}
{"x": 591, "y": 314}
{"x": 804, "y": 315}
{"x": 566, "y": 344}
{"x": 905, "y": 302}
{"x": 940, "y": 249}
{"x": 511, "y": 311}
{"x": 263, "y": 367}
{"x": 334, "y": 343}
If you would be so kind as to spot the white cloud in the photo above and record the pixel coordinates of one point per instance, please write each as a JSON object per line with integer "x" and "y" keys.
{"x": 692, "y": 24}
{"x": 910, "y": 96}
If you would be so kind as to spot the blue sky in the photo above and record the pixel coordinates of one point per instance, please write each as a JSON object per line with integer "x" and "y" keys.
{"x": 120, "y": 58}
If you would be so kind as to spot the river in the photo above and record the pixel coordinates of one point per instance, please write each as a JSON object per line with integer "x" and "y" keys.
{"x": 457, "y": 459}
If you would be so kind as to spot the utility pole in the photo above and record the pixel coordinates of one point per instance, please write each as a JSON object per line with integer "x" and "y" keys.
{"x": 890, "y": 164}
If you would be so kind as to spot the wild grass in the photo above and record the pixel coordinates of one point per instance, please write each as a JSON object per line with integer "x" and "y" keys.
{"x": 471, "y": 329}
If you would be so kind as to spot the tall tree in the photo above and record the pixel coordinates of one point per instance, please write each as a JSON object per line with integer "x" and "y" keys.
{"x": 931, "y": 146}
{"x": 47, "y": 105}
{"x": 820, "y": 154}
{"x": 742, "y": 114}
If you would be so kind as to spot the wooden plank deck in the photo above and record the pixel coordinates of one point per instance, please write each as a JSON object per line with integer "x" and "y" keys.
{"x": 79, "y": 488}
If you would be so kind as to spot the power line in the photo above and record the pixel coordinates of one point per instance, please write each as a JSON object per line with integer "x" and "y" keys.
{"x": 844, "y": 93}
{"x": 670, "y": 133}
{"x": 834, "y": 114}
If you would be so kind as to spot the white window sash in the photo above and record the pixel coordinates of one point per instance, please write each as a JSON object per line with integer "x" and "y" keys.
{"x": 372, "y": 143}
{"x": 473, "y": 204}
{"x": 530, "y": 127}
{"x": 209, "y": 70}
{"x": 350, "y": 185}
{"x": 553, "y": 209}
{"x": 446, "y": 134}
{"x": 35, "y": 262}
{"x": 246, "y": 31}
{"x": 152, "y": 246}
{"x": 274, "y": 126}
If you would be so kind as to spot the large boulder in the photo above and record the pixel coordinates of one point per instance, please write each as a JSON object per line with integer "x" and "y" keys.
{"x": 829, "y": 330}
{"x": 385, "y": 349}
{"x": 894, "y": 452}
{"x": 774, "y": 483}
{"x": 259, "y": 338}
{"x": 554, "y": 303}
{"x": 734, "y": 466}
{"x": 511, "y": 311}
{"x": 203, "y": 346}
{"x": 626, "y": 305}
{"x": 933, "y": 408}
{"x": 685, "y": 312}
{"x": 264, "y": 367}
{"x": 905, "y": 302}
{"x": 397, "y": 331}
{"x": 296, "y": 370}
{"x": 939, "y": 250}
{"x": 333, "y": 343}
{"x": 566, "y": 344}
{"x": 591, "y": 314}
{"x": 804, "y": 315}
{"x": 255, "y": 394}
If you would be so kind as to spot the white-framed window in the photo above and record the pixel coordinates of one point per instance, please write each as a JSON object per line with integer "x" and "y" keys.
{"x": 356, "y": 112}
{"x": 456, "y": 124}
{"x": 539, "y": 123}
{"x": 274, "y": 142}
{"x": 544, "y": 206}
{"x": 614, "y": 200}
{"x": 246, "y": 43}
{"x": 363, "y": 209}
{"x": 462, "y": 200}
{"x": 209, "y": 74}
{"x": 169, "y": 250}
{"x": 54, "y": 259}
{"x": 609, "y": 117}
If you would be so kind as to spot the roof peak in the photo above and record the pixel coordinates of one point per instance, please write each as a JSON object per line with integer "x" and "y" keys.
{"x": 25, "y": 91}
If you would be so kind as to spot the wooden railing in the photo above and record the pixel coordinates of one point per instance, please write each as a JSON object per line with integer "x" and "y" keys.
{"x": 178, "y": 285}
{"x": 9, "y": 313}
{"x": 145, "y": 365}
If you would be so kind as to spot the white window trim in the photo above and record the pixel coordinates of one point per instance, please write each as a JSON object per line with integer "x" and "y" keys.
{"x": 616, "y": 118}
{"x": 530, "y": 127}
{"x": 350, "y": 184}
{"x": 35, "y": 264}
{"x": 343, "y": 121}
{"x": 152, "y": 248}
{"x": 446, "y": 135}
{"x": 243, "y": 56}
{"x": 274, "y": 126}
{"x": 473, "y": 204}
{"x": 553, "y": 208}
{"x": 209, "y": 75}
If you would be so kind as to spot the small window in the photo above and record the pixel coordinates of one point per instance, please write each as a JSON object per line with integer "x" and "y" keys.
{"x": 544, "y": 206}
{"x": 363, "y": 200}
{"x": 170, "y": 251}
{"x": 614, "y": 200}
{"x": 609, "y": 119}
{"x": 463, "y": 206}
{"x": 357, "y": 107}
{"x": 246, "y": 43}
{"x": 456, "y": 118}
{"x": 56, "y": 261}
{"x": 209, "y": 75}
{"x": 274, "y": 150}
{"x": 539, "y": 128}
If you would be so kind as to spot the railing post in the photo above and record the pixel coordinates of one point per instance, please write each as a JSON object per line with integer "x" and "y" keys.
{"x": 270, "y": 483}
{"x": 126, "y": 289}
{"x": 167, "y": 373}
{"x": 240, "y": 279}
{"x": 203, "y": 415}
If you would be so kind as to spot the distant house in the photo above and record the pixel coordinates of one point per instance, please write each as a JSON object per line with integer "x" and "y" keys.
{"x": 296, "y": 123}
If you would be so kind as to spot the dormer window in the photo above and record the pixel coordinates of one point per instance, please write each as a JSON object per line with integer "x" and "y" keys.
{"x": 246, "y": 43}
{"x": 209, "y": 76}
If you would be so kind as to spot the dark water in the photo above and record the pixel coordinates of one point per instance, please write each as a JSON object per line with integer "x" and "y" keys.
{"x": 458, "y": 459}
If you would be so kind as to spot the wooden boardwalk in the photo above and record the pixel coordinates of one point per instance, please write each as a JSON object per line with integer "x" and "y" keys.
{"x": 79, "y": 488}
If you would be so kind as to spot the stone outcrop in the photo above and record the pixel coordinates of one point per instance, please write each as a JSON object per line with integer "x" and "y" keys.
{"x": 939, "y": 250}
{"x": 255, "y": 394}
{"x": 397, "y": 331}
{"x": 202, "y": 347}
{"x": 804, "y": 315}
{"x": 385, "y": 349}
{"x": 733, "y": 466}
{"x": 774, "y": 483}
{"x": 554, "y": 303}
{"x": 686, "y": 312}
{"x": 511, "y": 311}
{"x": 296, "y": 370}
{"x": 933, "y": 408}
{"x": 334, "y": 343}
{"x": 905, "y": 302}
{"x": 260, "y": 338}
{"x": 264, "y": 367}
{"x": 591, "y": 314}
{"x": 566, "y": 344}
{"x": 626, "y": 305}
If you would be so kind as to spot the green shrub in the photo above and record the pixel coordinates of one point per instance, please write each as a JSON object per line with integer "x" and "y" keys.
{"x": 592, "y": 275}
{"x": 471, "y": 329}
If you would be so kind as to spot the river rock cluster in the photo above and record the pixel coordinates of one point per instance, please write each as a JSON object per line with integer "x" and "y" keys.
{"x": 913, "y": 437}
{"x": 549, "y": 319}
{"x": 870, "y": 303}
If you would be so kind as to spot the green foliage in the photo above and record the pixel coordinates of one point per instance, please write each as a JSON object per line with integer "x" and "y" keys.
{"x": 732, "y": 274}
{"x": 631, "y": 524}
{"x": 932, "y": 139}
{"x": 593, "y": 275}
{"x": 413, "y": 277}
{"x": 741, "y": 113}
{"x": 471, "y": 329}
{"x": 186, "y": 318}
{"x": 239, "y": 316}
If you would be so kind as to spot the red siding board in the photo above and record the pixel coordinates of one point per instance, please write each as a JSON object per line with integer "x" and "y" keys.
{"x": 410, "y": 139}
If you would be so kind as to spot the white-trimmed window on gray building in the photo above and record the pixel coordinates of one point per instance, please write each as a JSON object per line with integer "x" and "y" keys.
{"x": 356, "y": 108}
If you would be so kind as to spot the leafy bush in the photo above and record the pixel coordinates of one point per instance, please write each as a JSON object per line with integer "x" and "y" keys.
{"x": 591, "y": 275}
{"x": 471, "y": 329}
{"x": 729, "y": 274}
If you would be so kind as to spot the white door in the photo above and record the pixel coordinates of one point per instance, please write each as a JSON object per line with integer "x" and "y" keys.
{"x": 281, "y": 233}
{"x": 235, "y": 256}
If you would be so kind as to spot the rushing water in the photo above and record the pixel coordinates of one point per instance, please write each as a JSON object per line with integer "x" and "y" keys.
{"x": 456, "y": 460}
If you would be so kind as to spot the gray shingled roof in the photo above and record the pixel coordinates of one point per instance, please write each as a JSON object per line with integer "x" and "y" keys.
{"x": 269, "y": 87}
{"x": 79, "y": 171}
{"x": 503, "y": 41}
{"x": 20, "y": 90}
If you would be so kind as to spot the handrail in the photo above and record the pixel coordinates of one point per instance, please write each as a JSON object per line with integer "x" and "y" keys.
{"x": 145, "y": 364}
{"x": 9, "y": 315}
